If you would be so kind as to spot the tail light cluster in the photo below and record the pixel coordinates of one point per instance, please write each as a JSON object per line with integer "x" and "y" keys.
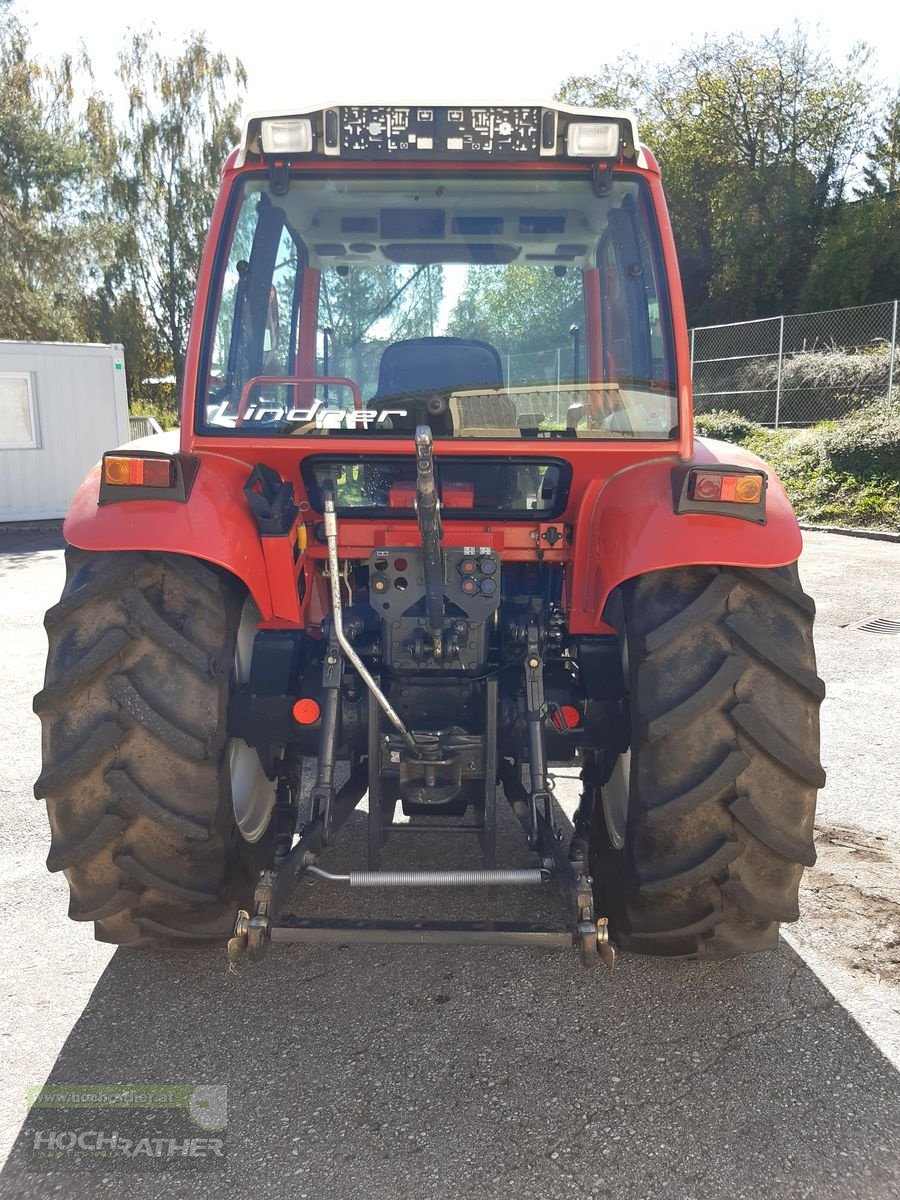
{"x": 146, "y": 475}
{"x": 723, "y": 491}
{"x": 733, "y": 489}
{"x": 138, "y": 472}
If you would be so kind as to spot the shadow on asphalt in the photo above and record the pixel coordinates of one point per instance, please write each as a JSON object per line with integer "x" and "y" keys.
{"x": 405, "y": 1072}
{"x": 18, "y": 550}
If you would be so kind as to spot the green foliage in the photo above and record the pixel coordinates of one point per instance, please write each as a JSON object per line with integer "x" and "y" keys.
{"x": 164, "y": 411}
{"x": 859, "y": 259}
{"x": 882, "y": 174}
{"x": 866, "y": 444}
{"x": 369, "y": 307}
{"x": 844, "y": 472}
{"x": 406, "y": 298}
{"x": 726, "y": 426}
{"x": 116, "y": 314}
{"x": 102, "y": 221}
{"x": 103, "y": 216}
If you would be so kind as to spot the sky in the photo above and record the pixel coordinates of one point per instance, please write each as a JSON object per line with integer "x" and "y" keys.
{"x": 351, "y": 51}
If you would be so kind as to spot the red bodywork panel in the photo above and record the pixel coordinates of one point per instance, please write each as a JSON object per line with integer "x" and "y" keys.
{"x": 625, "y": 520}
{"x": 620, "y": 519}
{"x": 629, "y": 527}
{"x": 215, "y": 524}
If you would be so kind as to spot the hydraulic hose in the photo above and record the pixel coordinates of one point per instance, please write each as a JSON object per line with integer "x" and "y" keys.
{"x": 337, "y": 616}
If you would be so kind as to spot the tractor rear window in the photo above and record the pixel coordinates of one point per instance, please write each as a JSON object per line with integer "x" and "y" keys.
{"x": 468, "y": 487}
{"x": 485, "y": 306}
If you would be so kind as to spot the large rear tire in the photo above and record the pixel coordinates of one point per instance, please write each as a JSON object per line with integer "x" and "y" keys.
{"x": 136, "y": 758}
{"x": 724, "y": 763}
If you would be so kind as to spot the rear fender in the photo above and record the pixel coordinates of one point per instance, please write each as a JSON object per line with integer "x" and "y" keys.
{"x": 214, "y": 524}
{"x": 627, "y": 526}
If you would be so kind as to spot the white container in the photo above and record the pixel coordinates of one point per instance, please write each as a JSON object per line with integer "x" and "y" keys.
{"x": 61, "y": 405}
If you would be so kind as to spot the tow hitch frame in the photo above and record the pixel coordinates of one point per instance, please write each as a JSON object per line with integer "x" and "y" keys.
{"x": 422, "y": 762}
{"x": 269, "y": 921}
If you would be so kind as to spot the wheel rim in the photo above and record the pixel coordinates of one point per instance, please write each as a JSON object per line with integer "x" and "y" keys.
{"x": 252, "y": 793}
{"x": 614, "y": 795}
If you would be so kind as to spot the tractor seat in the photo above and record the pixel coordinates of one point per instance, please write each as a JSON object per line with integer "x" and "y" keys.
{"x": 423, "y": 372}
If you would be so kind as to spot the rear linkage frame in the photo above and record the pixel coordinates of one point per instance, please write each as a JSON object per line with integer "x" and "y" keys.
{"x": 331, "y": 805}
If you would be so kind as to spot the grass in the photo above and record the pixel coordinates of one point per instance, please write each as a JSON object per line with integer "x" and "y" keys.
{"x": 844, "y": 472}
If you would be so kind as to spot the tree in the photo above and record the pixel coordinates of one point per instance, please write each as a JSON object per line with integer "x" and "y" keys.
{"x": 756, "y": 140}
{"x": 621, "y": 84}
{"x": 181, "y": 124}
{"x": 882, "y": 173}
{"x": 519, "y": 309}
{"x": 858, "y": 261}
{"x": 47, "y": 225}
{"x": 368, "y": 308}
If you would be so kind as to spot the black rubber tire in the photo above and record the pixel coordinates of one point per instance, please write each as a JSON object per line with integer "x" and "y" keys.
{"x": 135, "y": 774}
{"x": 725, "y": 763}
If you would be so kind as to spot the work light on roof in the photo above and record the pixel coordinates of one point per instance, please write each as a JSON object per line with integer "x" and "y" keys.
{"x": 286, "y": 136}
{"x": 593, "y": 139}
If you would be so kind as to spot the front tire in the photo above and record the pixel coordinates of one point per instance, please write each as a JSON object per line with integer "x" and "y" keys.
{"x": 724, "y": 763}
{"x": 136, "y": 771}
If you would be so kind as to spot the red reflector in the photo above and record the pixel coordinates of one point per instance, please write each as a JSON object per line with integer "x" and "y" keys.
{"x": 565, "y": 717}
{"x": 706, "y": 487}
{"x": 137, "y": 472}
{"x": 157, "y": 472}
{"x": 306, "y": 712}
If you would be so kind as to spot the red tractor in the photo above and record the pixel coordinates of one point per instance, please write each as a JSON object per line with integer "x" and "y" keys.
{"x": 435, "y": 521}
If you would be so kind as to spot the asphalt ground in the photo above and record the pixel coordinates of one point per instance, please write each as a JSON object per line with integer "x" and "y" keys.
{"x": 407, "y": 1073}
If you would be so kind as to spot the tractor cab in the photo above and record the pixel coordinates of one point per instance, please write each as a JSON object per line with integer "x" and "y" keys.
{"x": 514, "y": 289}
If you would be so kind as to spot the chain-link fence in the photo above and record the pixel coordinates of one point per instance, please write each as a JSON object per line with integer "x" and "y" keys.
{"x": 800, "y": 369}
